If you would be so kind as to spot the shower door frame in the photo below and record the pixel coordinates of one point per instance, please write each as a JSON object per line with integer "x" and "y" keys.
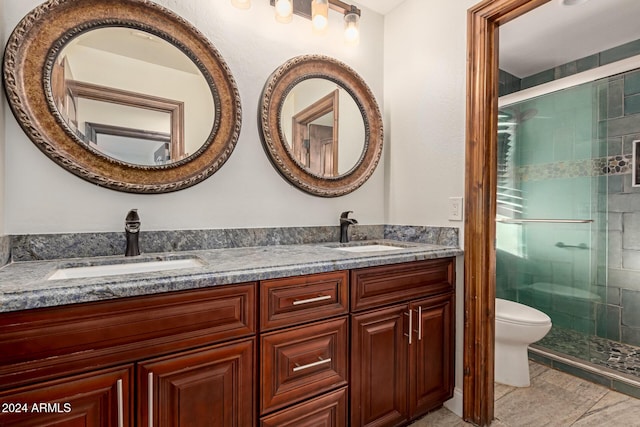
{"x": 483, "y": 21}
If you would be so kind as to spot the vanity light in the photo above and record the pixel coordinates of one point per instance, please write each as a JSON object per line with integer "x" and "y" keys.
{"x": 318, "y": 12}
{"x": 241, "y": 4}
{"x": 284, "y": 11}
{"x": 352, "y": 26}
{"x": 320, "y": 15}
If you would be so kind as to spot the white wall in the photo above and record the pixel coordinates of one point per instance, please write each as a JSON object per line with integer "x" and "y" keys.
{"x": 425, "y": 89}
{"x": 41, "y": 197}
{"x": 425, "y": 85}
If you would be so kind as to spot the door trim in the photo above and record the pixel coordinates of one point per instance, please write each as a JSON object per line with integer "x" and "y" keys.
{"x": 483, "y": 21}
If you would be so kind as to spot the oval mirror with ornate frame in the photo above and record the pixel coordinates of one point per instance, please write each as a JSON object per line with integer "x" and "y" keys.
{"x": 45, "y": 97}
{"x": 315, "y": 112}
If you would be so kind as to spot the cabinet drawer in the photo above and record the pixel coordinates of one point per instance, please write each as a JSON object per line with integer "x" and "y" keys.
{"x": 377, "y": 286}
{"x": 303, "y": 362}
{"x": 39, "y": 344}
{"x": 294, "y": 300}
{"x": 327, "y": 410}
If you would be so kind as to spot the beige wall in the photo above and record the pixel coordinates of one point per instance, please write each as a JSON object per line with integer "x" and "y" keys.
{"x": 42, "y": 197}
{"x": 3, "y": 179}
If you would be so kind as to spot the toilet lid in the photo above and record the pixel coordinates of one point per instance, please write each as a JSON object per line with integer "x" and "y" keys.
{"x": 513, "y": 312}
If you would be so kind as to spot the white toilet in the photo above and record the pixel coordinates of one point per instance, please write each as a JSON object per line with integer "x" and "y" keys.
{"x": 517, "y": 326}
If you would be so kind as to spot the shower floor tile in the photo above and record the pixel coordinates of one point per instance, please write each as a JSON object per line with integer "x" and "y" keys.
{"x": 613, "y": 355}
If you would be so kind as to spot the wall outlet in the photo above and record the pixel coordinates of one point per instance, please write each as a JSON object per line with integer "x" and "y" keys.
{"x": 455, "y": 208}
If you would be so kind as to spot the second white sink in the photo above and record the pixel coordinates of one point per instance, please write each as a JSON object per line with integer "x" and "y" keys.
{"x": 124, "y": 268}
{"x": 368, "y": 248}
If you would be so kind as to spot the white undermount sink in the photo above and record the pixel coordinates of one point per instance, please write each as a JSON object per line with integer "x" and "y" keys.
{"x": 124, "y": 268}
{"x": 368, "y": 248}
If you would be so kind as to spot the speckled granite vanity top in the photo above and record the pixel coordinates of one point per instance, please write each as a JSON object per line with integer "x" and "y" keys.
{"x": 26, "y": 285}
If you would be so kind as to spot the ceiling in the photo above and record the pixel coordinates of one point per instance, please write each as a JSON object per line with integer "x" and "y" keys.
{"x": 380, "y": 6}
{"x": 554, "y": 34}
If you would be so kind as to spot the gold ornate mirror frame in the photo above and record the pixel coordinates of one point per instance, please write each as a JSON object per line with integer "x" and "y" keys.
{"x": 278, "y": 86}
{"x": 31, "y": 51}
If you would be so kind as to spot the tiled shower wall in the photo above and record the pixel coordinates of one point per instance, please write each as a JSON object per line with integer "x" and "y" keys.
{"x": 620, "y": 122}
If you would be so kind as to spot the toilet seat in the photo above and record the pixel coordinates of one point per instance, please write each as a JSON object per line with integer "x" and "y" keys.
{"x": 519, "y": 314}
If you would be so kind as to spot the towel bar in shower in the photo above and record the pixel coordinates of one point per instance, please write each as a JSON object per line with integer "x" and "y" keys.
{"x": 557, "y": 221}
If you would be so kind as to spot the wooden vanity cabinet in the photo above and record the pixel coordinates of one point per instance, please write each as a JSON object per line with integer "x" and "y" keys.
{"x": 198, "y": 345}
{"x": 304, "y": 341}
{"x": 401, "y": 353}
{"x": 101, "y": 398}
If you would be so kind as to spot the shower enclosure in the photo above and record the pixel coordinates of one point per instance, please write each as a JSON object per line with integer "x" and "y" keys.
{"x": 560, "y": 154}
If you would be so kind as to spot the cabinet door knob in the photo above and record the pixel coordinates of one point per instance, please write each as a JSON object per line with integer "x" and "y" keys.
{"x": 310, "y": 300}
{"x": 311, "y": 365}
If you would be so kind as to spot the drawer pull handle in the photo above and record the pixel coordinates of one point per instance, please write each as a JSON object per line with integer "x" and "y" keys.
{"x": 419, "y": 323}
{"x": 120, "y": 404}
{"x": 150, "y": 400}
{"x": 311, "y": 365}
{"x": 310, "y": 300}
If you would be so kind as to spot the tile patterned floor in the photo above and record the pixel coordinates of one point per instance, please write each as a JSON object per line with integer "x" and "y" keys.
{"x": 555, "y": 399}
{"x": 614, "y": 355}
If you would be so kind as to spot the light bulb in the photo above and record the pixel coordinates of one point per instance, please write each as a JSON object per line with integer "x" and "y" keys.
{"x": 351, "y": 28}
{"x": 241, "y": 4}
{"x": 284, "y": 11}
{"x": 320, "y": 15}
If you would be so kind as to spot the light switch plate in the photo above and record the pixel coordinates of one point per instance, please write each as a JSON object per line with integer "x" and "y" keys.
{"x": 455, "y": 208}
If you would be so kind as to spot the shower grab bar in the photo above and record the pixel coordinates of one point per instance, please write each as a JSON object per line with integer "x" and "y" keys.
{"x": 558, "y": 221}
{"x": 580, "y": 246}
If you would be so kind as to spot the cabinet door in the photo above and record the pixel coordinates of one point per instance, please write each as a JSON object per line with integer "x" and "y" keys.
{"x": 202, "y": 388}
{"x": 431, "y": 360}
{"x": 379, "y": 367}
{"x": 97, "y": 399}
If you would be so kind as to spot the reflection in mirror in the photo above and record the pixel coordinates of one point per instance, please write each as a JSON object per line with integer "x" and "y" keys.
{"x": 323, "y": 127}
{"x": 118, "y": 78}
{"x": 93, "y": 86}
{"x": 320, "y": 125}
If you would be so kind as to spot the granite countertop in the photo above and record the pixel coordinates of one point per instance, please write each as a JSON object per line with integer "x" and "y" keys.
{"x": 26, "y": 285}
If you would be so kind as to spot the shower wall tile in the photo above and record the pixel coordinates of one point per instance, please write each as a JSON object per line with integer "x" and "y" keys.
{"x": 614, "y": 146}
{"x": 623, "y": 202}
{"x": 620, "y": 52}
{"x": 631, "y": 105}
{"x": 630, "y": 300}
{"x": 630, "y": 335}
{"x": 624, "y": 279}
{"x": 623, "y": 125}
{"x": 615, "y": 219}
{"x": 631, "y": 260}
{"x": 615, "y": 97}
{"x": 614, "y": 247}
{"x": 632, "y": 83}
{"x": 631, "y": 227}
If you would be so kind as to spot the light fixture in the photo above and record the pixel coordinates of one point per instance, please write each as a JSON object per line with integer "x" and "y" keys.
{"x": 318, "y": 12}
{"x": 320, "y": 15}
{"x": 241, "y": 4}
{"x": 352, "y": 26}
{"x": 284, "y": 11}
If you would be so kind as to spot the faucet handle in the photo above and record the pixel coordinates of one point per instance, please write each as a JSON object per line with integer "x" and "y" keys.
{"x": 345, "y": 214}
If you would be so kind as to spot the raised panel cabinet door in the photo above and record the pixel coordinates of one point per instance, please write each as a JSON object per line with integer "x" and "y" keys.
{"x": 328, "y": 410}
{"x": 207, "y": 387}
{"x": 431, "y": 362}
{"x": 95, "y": 399}
{"x": 379, "y": 367}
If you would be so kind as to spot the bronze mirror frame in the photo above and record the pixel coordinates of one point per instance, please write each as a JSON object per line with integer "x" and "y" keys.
{"x": 278, "y": 86}
{"x": 35, "y": 43}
